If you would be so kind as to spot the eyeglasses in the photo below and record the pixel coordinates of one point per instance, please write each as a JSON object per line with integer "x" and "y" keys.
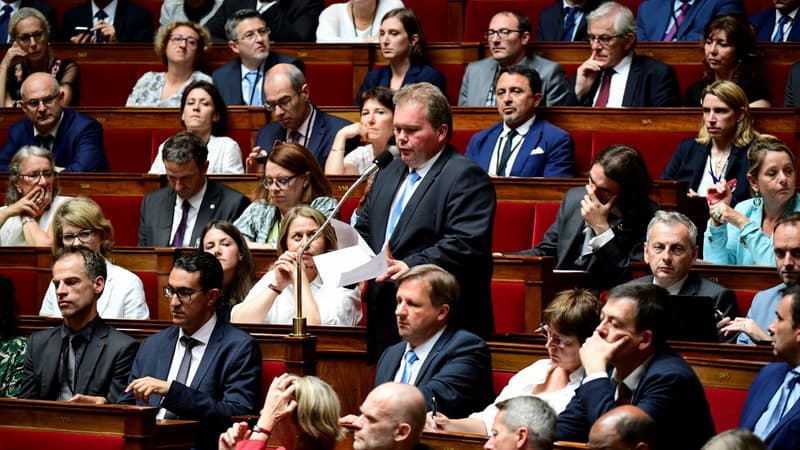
{"x": 26, "y": 38}
{"x": 251, "y": 35}
{"x": 503, "y": 33}
{"x": 34, "y": 177}
{"x": 83, "y": 236}
{"x": 284, "y": 103}
{"x": 280, "y": 181}
{"x": 177, "y": 38}
{"x": 603, "y": 39}
{"x": 35, "y": 102}
{"x": 184, "y": 294}
{"x": 557, "y": 340}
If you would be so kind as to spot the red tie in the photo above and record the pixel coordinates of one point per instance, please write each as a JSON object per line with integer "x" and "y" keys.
{"x": 623, "y": 395}
{"x": 605, "y": 89}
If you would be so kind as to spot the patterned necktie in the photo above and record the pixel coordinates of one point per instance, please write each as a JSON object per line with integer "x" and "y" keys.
{"x": 177, "y": 241}
{"x": 101, "y": 16}
{"x": 501, "y": 165}
{"x": 183, "y": 369}
{"x": 781, "y": 25}
{"x": 569, "y": 24}
{"x": 678, "y": 21}
{"x": 410, "y": 358}
{"x": 605, "y": 89}
{"x": 6, "y": 14}
{"x": 394, "y": 216}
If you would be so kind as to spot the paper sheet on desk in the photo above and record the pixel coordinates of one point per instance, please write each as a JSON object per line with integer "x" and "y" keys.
{"x": 353, "y": 262}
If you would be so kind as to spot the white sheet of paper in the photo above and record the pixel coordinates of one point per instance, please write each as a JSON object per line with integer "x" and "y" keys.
{"x": 350, "y": 264}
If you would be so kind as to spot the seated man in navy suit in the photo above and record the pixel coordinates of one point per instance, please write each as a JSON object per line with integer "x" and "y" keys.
{"x": 202, "y": 368}
{"x": 565, "y": 20}
{"x": 76, "y": 140}
{"x": 779, "y": 23}
{"x": 444, "y": 362}
{"x": 771, "y": 410}
{"x": 295, "y": 119}
{"x": 644, "y": 372}
{"x": 522, "y": 145}
{"x": 83, "y": 359}
{"x": 241, "y": 81}
{"x": 122, "y": 21}
{"x": 614, "y": 75}
{"x": 679, "y": 20}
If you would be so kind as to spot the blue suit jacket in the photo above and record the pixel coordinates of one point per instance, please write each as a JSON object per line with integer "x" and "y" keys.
{"x": 325, "y": 128}
{"x": 458, "y": 371}
{"x": 669, "y": 392}
{"x": 650, "y": 83}
{"x": 448, "y": 221}
{"x": 786, "y": 435}
{"x": 654, "y": 16}
{"x": 132, "y": 22}
{"x": 764, "y": 23}
{"x": 228, "y": 78}
{"x": 226, "y": 383}
{"x": 547, "y": 151}
{"x": 417, "y": 73}
{"x": 78, "y": 146}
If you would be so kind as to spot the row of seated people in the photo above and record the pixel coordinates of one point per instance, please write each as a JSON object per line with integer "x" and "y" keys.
{"x": 729, "y": 50}
{"x": 452, "y": 368}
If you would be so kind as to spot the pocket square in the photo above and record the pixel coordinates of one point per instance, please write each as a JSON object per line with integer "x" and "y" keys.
{"x": 537, "y": 151}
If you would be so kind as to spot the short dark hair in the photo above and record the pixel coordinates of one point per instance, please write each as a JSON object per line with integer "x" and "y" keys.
{"x": 217, "y": 128}
{"x": 209, "y": 267}
{"x": 380, "y": 94}
{"x": 523, "y": 21}
{"x": 534, "y": 80}
{"x": 184, "y": 147}
{"x": 791, "y": 218}
{"x": 94, "y": 263}
{"x": 626, "y": 166}
{"x": 651, "y": 308}
{"x": 794, "y": 293}
{"x": 442, "y": 285}
{"x": 574, "y": 312}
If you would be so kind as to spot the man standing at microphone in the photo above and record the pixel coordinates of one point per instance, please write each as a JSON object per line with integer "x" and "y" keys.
{"x": 430, "y": 206}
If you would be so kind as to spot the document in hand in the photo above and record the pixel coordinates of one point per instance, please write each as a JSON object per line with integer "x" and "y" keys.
{"x": 353, "y": 262}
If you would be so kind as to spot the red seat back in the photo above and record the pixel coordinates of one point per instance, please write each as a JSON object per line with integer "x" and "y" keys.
{"x": 508, "y": 305}
{"x": 656, "y": 151}
{"x": 334, "y": 83}
{"x": 689, "y": 73}
{"x": 434, "y": 15}
{"x": 513, "y": 224}
{"x": 123, "y": 211}
{"x": 454, "y": 73}
{"x": 726, "y": 406}
{"x": 499, "y": 380}
{"x": 269, "y": 371}
{"x": 544, "y": 215}
{"x": 743, "y": 300}
{"x": 583, "y": 152}
{"x": 128, "y": 150}
{"x": 460, "y": 139}
{"x": 151, "y": 294}
{"x": 25, "y": 293}
{"x": 117, "y": 81}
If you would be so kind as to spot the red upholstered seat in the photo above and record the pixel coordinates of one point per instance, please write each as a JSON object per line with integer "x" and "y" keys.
{"x": 743, "y": 301}
{"x": 128, "y": 150}
{"x": 15, "y": 439}
{"x": 123, "y": 212}
{"x": 500, "y": 380}
{"x": 478, "y": 13}
{"x": 656, "y": 148}
{"x": 151, "y": 294}
{"x": 726, "y": 406}
{"x": 460, "y": 139}
{"x": 583, "y": 152}
{"x": 454, "y": 73}
{"x": 269, "y": 371}
{"x": 688, "y": 74}
{"x": 94, "y": 75}
{"x": 28, "y": 302}
{"x": 347, "y": 209}
{"x": 513, "y": 223}
{"x": 544, "y": 215}
{"x": 508, "y": 305}
{"x": 333, "y": 82}
{"x": 434, "y": 16}
{"x": 754, "y": 6}
{"x": 157, "y": 137}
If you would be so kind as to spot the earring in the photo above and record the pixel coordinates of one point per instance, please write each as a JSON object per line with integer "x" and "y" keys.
{"x": 757, "y": 198}
{"x": 305, "y": 186}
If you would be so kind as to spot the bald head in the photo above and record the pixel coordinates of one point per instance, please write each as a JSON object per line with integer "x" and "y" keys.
{"x": 287, "y": 95}
{"x": 392, "y": 417}
{"x": 624, "y": 427}
{"x": 40, "y": 80}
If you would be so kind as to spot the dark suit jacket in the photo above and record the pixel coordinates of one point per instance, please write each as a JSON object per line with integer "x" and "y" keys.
{"x": 724, "y": 298}
{"x": 785, "y": 435}
{"x": 650, "y": 83}
{"x": 228, "y": 78}
{"x": 132, "y": 22}
{"x": 551, "y": 22}
{"x": 689, "y": 163}
{"x": 547, "y": 151}
{"x": 609, "y": 265}
{"x": 226, "y": 383}
{"x": 764, "y": 23}
{"x": 103, "y": 371}
{"x": 791, "y": 98}
{"x": 417, "y": 73}
{"x": 155, "y": 222}
{"x": 669, "y": 392}
{"x": 288, "y": 21}
{"x": 654, "y": 16}
{"x": 322, "y": 134}
{"x": 448, "y": 221}
{"x": 458, "y": 371}
{"x": 78, "y": 146}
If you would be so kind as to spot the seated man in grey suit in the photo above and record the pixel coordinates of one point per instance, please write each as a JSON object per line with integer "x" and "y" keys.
{"x": 83, "y": 359}
{"x": 614, "y": 75}
{"x": 670, "y": 250}
{"x": 240, "y": 81}
{"x": 522, "y": 145}
{"x": 174, "y": 216}
{"x": 444, "y": 362}
{"x": 508, "y": 34}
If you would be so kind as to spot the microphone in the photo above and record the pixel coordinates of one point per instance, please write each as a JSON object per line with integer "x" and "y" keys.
{"x": 378, "y": 163}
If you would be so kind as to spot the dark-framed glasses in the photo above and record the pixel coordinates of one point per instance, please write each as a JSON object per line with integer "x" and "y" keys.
{"x": 34, "y": 103}
{"x": 184, "y": 294}
{"x": 503, "y": 33}
{"x": 282, "y": 182}
{"x": 84, "y": 236}
{"x": 251, "y": 35}
{"x": 283, "y": 102}
{"x": 557, "y": 340}
{"x": 178, "y": 38}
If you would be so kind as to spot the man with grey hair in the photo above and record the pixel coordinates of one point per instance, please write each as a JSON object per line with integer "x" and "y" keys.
{"x": 76, "y": 140}
{"x": 625, "y": 427}
{"x": 392, "y": 418}
{"x": 523, "y": 423}
{"x": 430, "y": 206}
{"x": 294, "y": 119}
{"x": 614, "y": 75}
{"x": 670, "y": 250}
{"x": 174, "y": 216}
{"x": 241, "y": 80}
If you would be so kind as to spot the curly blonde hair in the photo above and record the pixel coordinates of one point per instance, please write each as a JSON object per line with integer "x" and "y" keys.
{"x": 165, "y": 31}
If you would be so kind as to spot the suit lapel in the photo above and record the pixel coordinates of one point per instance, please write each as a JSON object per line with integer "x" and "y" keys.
{"x": 51, "y": 355}
{"x": 94, "y": 350}
{"x": 691, "y": 286}
{"x": 382, "y": 204}
{"x": 164, "y": 221}
{"x": 318, "y": 130}
{"x": 434, "y": 353}
{"x": 210, "y": 354}
{"x": 532, "y": 139}
{"x": 207, "y": 209}
{"x": 691, "y": 15}
{"x": 488, "y": 146}
{"x": 631, "y": 86}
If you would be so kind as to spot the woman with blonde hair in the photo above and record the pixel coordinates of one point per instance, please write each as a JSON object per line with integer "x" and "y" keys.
{"x": 302, "y": 413}
{"x": 180, "y": 45}
{"x": 80, "y": 221}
